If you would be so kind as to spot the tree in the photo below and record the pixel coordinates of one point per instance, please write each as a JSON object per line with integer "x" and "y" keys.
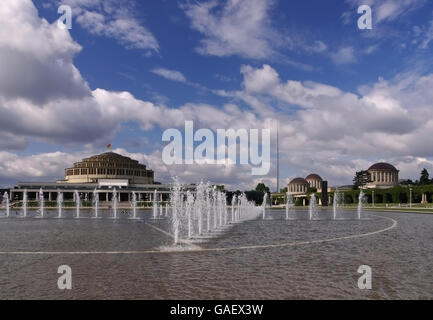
{"x": 311, "y": 190}
{"x": 407, "y": 182}
{"x": 424, "y": 179}
{"x": 361, "y": 179}
{"x": 261, "y": 187}
{"x": 284, "y": 190}
{"x": 255, "y": 196}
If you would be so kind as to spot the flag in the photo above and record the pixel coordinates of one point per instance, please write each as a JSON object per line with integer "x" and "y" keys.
{"x": 108, "y": 146}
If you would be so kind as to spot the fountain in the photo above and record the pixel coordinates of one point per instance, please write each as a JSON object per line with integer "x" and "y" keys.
{"x": 134, "y": 205}
{"x": 41, "y": 201}
{"x": 166, "y": 210}
{"x": 289, "y": 204}
{"x": 161, "y": 211}
{"x": 155, "y": 206}
{"x": 238, "y": 211}
{"x": 337, "y": 203}
{"x": 220, "y": 205}
{"x": 77, "y": 203}
{"x": 264, "y": 204}
{"x": 59, "y": 203}
{"x": 313, "y": 210}
{"x": 225, "y": 210}
{"x": 361, "y": 200}
{"x": 201, "y": 206}
{"x": 5, "y": 202}
{"x": 234, "y": 199}
{"x": 189, "y": 215}
{"x": 175, "y": 200}
{"x": 214, "y": 207}
{"x": 24, "y": 207}
{"x": 95, "y": 201}
{"x": 189, "y": 208}
{"x": 209, "y": 208}
{"x": 114, "y": 201}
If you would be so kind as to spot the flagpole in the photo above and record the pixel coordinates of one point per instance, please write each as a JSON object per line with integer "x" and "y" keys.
{"x": 278, "y": 158}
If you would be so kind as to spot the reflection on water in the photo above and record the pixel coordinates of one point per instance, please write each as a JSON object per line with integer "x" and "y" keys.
{"x": 400, "y": 258}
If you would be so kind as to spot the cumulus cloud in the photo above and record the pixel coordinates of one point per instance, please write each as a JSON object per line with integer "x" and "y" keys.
{"x": 41, "y": 167}
{"x": 37, "y": 59}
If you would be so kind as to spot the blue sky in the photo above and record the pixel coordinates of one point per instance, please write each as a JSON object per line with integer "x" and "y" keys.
{"x": 127, "y": 70}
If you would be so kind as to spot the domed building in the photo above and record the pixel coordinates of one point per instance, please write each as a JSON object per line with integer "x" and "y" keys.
{"x": 104, "y": 176}
{"x": 298, "y": 186}
{"x": 383, "y": 175}
{"x": 315, "y": 181}
{"x": 108, "y": 165}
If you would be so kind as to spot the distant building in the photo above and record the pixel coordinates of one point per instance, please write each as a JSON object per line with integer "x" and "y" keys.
{"x": 300, "y": 186}
{"x": 382, "y": 175}
{"x": 108, "y": 165}
{"x": 315, "y": 181}
{"x": 102, "y": 173}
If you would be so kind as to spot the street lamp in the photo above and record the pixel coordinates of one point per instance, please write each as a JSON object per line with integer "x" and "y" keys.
{"x": 410, "y": 198}
{"x": 373, "y": 198}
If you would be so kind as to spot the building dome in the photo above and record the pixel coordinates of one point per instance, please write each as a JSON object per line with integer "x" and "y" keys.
{"x": 383, "y": 175}
{"x": 298, "y": 186}
{"x": 315, "y": 181}
{"x": 314, "y": 176}
{"x": 108, "y": 165}
{"x": 299, "y": 181}
{"x": 383, "y": 166}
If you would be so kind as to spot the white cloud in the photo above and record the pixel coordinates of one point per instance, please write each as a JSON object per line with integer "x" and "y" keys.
{"x": 170, "y": 74}
{"x": 385, "y": 10}
{"x": 240, "y": 27}
{"x": 110, "y": 19}
{"x": 344, "y": 55}
{"x": 428, "y": 37}
{"x": 45, "y": 166}
{"x": 31, "y": 49}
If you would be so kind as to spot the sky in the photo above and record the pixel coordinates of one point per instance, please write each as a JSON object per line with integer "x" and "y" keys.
{"x": 344, "y": 98}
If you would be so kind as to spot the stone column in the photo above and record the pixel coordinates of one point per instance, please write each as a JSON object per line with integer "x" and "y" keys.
{"x": 424, "y": 198}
